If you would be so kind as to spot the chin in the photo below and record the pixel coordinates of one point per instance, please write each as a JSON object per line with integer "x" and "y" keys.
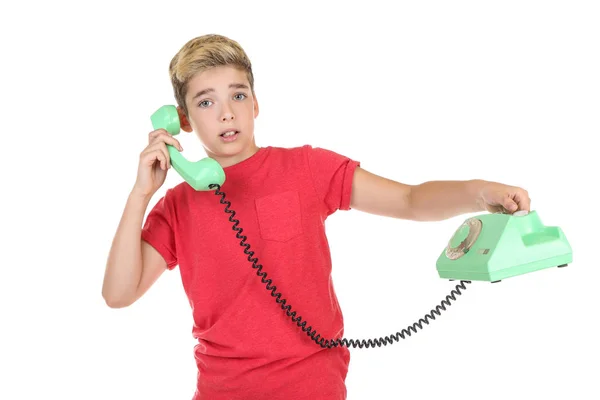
{"x": 231, "y": 149}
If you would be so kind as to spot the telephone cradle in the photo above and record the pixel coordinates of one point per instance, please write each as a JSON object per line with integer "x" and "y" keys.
{"x": 487, "y": 247}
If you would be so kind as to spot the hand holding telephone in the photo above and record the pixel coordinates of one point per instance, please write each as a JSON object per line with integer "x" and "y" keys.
{"x": 198, "y": 174}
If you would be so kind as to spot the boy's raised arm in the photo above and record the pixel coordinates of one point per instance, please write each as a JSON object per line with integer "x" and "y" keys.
{"x": 133, "y": 265}
{"x": 129, "y": 256}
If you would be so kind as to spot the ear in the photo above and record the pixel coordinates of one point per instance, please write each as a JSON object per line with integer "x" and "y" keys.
{"x": 255, "y": 106}
{"x": 185, "y": 123}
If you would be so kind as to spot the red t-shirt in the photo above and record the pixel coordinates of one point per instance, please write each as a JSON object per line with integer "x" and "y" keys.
{"x": 248, "y": 348}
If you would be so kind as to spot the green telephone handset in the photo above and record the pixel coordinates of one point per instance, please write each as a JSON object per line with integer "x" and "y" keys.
{"x": 198, "y": 174}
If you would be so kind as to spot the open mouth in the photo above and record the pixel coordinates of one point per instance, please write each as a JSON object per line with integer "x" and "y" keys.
{"x": 230, "y": 135}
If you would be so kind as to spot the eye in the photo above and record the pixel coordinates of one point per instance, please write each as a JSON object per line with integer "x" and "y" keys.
{"x": 240, "y": 94}
{"x": 203, "y": 103}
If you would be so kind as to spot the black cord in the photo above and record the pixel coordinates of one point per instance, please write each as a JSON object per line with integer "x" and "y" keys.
{"x": 298, "y": 320}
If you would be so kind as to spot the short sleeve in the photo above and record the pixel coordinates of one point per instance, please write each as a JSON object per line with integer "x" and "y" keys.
{"x": 332, "y": 176}
{"x": 158, "y": 230}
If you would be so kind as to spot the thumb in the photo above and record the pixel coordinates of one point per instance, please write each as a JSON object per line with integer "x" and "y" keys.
{"x": 510, "y": 204}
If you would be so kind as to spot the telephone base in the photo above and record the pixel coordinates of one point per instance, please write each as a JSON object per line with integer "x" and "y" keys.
{"x": 493, "y": 247}
{"x": 496, "y": 276}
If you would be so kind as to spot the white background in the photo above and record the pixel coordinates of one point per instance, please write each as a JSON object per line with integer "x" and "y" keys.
{"x": 416, "y": 91}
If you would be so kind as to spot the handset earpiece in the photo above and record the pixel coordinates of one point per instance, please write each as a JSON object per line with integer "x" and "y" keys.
{"x": 198, "y": 174}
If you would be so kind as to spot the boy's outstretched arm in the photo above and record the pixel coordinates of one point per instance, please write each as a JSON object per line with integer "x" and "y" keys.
{"x": 434, "y": 200}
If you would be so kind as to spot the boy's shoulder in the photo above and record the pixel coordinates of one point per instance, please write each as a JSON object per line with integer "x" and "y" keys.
{"x": 306, "y": 154}
{"x": 313, "y": 153}
{"x": 302, "y": 150}
{"x": 290, "y": 150}
{"x": 279, "y": 154}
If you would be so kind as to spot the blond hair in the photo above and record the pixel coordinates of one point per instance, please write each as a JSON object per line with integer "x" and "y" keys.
{"x": 202, "y": 53}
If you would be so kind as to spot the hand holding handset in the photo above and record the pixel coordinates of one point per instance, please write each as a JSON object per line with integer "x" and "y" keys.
{"x": 198, "y": 174}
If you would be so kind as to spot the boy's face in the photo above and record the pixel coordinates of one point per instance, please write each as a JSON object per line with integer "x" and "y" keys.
{"x": 219, "y": 100}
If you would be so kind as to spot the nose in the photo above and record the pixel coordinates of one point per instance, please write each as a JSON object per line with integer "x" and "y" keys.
{"x": 226, "y": 113}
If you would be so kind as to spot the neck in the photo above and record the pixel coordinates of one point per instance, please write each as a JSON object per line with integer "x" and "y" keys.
{"x": 229, "y": 160}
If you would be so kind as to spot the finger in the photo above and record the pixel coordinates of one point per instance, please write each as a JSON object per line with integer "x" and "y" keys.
{"x": 523, "y": 200}
{"x": 173, "y": 142}
{"x": 167, "y": 138}
{"x": 154, "y": 134}
{"x": 510, "y": 204}
{"x": 159, "y": 135}
{"x": 159, "y": 155}
{"x": 163, "y": 149}
{"x": 151, "y": 156}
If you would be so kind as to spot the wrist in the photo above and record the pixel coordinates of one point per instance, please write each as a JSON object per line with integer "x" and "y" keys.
{"x": 476, "y": 188}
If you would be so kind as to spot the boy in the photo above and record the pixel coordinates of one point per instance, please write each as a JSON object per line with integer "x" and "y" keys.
{"x": 248, "y": 348}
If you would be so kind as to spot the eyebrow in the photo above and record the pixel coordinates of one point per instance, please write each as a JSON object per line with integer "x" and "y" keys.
{"x": 209, "y": 90}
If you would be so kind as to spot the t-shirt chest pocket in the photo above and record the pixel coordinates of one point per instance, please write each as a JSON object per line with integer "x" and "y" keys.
{"x": 279, "y": 216}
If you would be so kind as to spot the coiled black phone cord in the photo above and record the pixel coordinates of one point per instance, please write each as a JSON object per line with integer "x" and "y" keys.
{"x": 302, "y": 324}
